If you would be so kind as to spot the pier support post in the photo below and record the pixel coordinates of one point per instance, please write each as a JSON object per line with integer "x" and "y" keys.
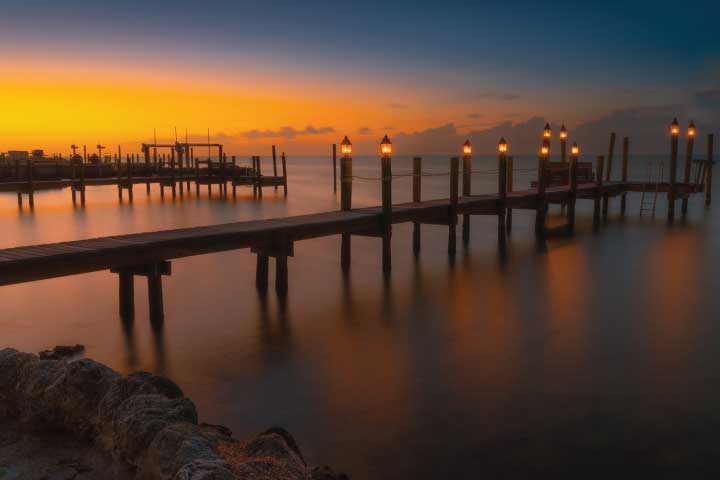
{"x": 386, "y": 176}
{"x": 197, "y": 177}
{"x": 466, "y": 185}
{"x": 172, "y": 172}
{"x": 261, "y": 272}
{"x": 416, "y": 198}
{"x": 573, "y": 188}
{"x": 625, "y": 152}
{"x": 452, "y": 220}
{"x": 281, "y": 273}
{"x": 611, "y": 153}
{"x": 541, "y": 207}
{"x": 180, "y": 150}
{"x": 126, "y": 294}
{"x": 31, "y": 187}
{"x": 154, "y": 273}
{"x": 598, "y": 190}
{"x": 509, "y": 175}
{"x": 274, "y": 156}
{"x": 155, "y": 296}
{"x": 284, "y": 172}
{"x": 688, "y": 164}
{"x": 232, "y": 177}
{"x": 259, "y": 176}
{"x": 334, "y": 167}
{"x": 82, "y": 181}
{"x": 146, "y": 153}
{"x": 674, "y": 134}
{"x": 709, "y": 169}
{"x": 280, "y": 249}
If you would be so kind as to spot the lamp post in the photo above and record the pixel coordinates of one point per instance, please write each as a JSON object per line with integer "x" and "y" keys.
{"x": 386, "y": 175}
{"x": 674, "y": 134}
{"x": 542, "y": 161}
{"x": 563, "y": 143}
{"x": 502, "y": 183}
{"x": 574, "y": 152}
{"x": 346, "y": 174}
{"x": 467, "y": 172}
{"x": 688, "y": 164}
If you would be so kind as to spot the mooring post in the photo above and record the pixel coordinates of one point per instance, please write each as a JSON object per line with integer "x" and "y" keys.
{"x": 709, "y": 169}
{"x": 466, "y": 182}
{"x": 611, "y": 153}
{"x": 232, "y": 176}
{"x": 625, "y": 153}
{"x": 73, "y": 174}
{"x": 172, "y": 172}
{"x": 452, "y": 220}
{"x": 541, "y": 200}
{"x": 281, "y": 272}
{"x": 345, "y": 199}
{"x": 509, "y": 188}
{"x": 274, "y": 164}
{"x": 191, "y": 165}
{"x": 82, "y": 177}
{"x": 674, "y": 134}
{"x": 31, "y": 187}
{"x": 334, "y": 167}
{"x": 180, "y": 151}
{"x": 146, "y": 153}
{"x": 386, "y": 177}
{"x": 118, "y": 177}
{"x": 284, "y": 172}
{"x": 127, "y": 294}
{"x": 155, "y": 294}
{"x": 416, "y": 198}
{"x": 197, "y": 177}
{"x": 574, "y": 151}
{"x": 688, "y": 164}
{"x": 598, "y": 190}
{"x": 259, "y": 176}
{"x": 130, "y": 178}
{"x": 17, "y": 178}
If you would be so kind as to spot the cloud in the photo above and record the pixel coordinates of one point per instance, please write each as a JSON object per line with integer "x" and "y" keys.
{"x": 285, "y": 132}
{"x": 475, "y": 116}
{"x": 364, "y": 131}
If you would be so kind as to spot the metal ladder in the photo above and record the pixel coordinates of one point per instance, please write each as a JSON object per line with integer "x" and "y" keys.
{"x": 648, "y": 200}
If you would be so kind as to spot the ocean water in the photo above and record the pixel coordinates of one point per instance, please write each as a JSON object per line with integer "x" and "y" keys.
{"x": 575, "y": 356}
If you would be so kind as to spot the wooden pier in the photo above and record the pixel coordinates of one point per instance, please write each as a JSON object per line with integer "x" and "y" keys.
{"x": 149, "y": 254}
{"x": 165, "y": 170}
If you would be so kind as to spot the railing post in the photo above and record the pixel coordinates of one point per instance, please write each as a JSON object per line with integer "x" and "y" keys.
{"x": 416, "y": 198}
{"x": 452, "y": 221}
{"x": 625, "y": 152}
{"x": 688, "y": 164}
{"x": 709, "y": 169}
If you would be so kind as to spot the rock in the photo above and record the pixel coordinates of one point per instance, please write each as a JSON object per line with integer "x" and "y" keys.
{"x": 289, "y": 440}
{"x": 326, "y": 473}
{"x": 205, "y": 470}
{"x": 61, "y": 352}
{"x": 11, "y": 364}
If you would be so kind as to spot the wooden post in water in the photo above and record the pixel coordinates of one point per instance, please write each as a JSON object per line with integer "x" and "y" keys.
{"x": 82, "y": 176}
{"x": 262, "y": 269}
{"x": 281, "y": 271}
{"x": 541, "y": 198}
{"x": 118, "y": 159}
{"x": 674, "y": 134}
{"x": 30, "y": 187}
{"x": 509, "y": 175}
{"x": 611, "y": 153}
{"x": 259, "y": 176}
{"x": 345, "y": 199}
{"x": 146, "y": 152}
{"x": 17, "y": 178}
{"x": 416, "y": 198}
{"x": 129, "y": 177}
{"x": 574, "y": 152}
{"x": 334, "y": 167}
{"x": 709, "y": 169}
{"x": 624, "y": 173}
{"x": 274, "y": 164}
{"x": 563, "y": 144}
{"x": 234, "y": 173}
{"x": 73, "y": 174}
{"x": 180, "y": 151}
{"x": 221, "y": 159}
{"x": 284, "y": 172}
{"x": 452, "y": 221}
{"x": 197, "y": 177}
{"x": 688, "y": 165}
{"x": 598, "y": 190}
{"x": 502, "y": 187}
{"x": 126, "y": 294}
{"x": 386, "y": 178}
{"x": 172, "y": 172}
{"x": 155, "y": 294}
{"x": 466, "y": 182}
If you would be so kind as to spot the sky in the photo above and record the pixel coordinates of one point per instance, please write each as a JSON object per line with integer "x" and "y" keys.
{"x": 302, "y": 75}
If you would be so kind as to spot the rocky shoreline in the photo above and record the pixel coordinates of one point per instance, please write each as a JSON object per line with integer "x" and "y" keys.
{"x": 137, "y": 426}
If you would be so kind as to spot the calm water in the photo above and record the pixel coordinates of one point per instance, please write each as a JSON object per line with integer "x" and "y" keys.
{"x": 588, "y": 352}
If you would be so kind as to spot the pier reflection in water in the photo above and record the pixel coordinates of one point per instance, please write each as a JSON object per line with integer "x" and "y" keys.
{"x": 596, "y": 349}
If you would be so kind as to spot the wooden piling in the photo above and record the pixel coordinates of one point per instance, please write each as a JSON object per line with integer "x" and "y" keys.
{"x": 232, "y": 177}
{"x": 31, "y": 187}
{"x": 673, "y": 176}
{"x": 281, "y": 272}
{"x": 197, "y": 177}
{"x": 126, "y": 294}
{"x": 284, "y": 172}
{"x": 118, "y": 176}
{"x": 466, "y": 183}
{"x": 416, "y": 198}
{"x": 82, "y": 179}
{"x": 259, "y": 176}
{"x": 688, "y": 164}
{"x": 541, "y": 198}
{"x": 611, "y": 153}
{"x": 172, "y": 173}
{"x": 709, "y": 169}
{"x": 598, "y": 190}
{"x": 146, "y": 152}
{"x": 452, "y": 221}
{"x": 155, "y": 295}
{"x": 334, "y": 167}
{"x": 17, "y": 178}
{"x": 386, "y": 176}
{"x": 509, "y": 176}
{"x": 274, "y": 156}
{"x": 624, "y": 173}
{"x": 261, "y": 272}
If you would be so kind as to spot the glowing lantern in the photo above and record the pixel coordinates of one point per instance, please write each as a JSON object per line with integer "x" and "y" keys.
{"x": 502, "y": 145}
{"x": 691, "y": 129}
{"x": 386, "y": 146}
{"x": 346, "y": 146}
{"x": 467, "y": 147}
{"x": 545, "y": 150}
{"x": 574, "y": 150}
{"x": 675, "y": 128}
{"x": 563, "y": 132}
{"x": 547, "y": 132}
